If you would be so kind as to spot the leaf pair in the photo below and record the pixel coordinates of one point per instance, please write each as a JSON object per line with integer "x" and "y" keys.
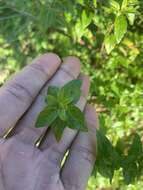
{"x": 126, "y": 11}
{"x": 132, "y": 163}
{"x": 107, "y": 158}
{"x": 120, "y": 28}
{"x": 110, "y": 158}
{"x": 60, "y": 110}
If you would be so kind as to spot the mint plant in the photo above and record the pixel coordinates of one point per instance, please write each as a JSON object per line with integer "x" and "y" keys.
{"x": 127, "y": 157}
{"x": 60, "y": 110}
{"x": 107, "y": 36}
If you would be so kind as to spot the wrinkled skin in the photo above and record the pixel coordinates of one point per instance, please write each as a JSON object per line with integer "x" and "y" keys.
{"x": 22, "y": 165}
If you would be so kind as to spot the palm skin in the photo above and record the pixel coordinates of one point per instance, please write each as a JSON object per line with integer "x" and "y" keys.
{"x": 25, "y": 167}
{"x": 22, "y": 165}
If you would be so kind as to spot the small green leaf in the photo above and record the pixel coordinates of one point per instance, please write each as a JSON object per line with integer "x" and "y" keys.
{"x": 130, "y": 10}
{"x": 106, "y": 149}
{"x": 107, "y": 159}
{"x": 124, "y": 4}
{"x": 63, "y": 99}
{"x": 131, "y": 18}
{"x": 58, "y": 127}
{"x": 80, "y": 2}
{"x": 85, "y": 19}
{"x": 75, "y": 118}
{"x": 46, "y": 117}
{"x": 105, "y": 168}
{"x": 120, "y": 27}
{"x": 136, "y": 148}
{"x": 62, "y": 114}
{"x": 71, "y": 91}
{"x": 140, "y": 166}
{"x": 115, "y": 5}
{"x": 95, "y": 3}
{"x": 53, "y": 90}
{"x": 129, "y": 173}
{"x": 51, "y": 100}
{"x": 120, "y": 145}
{"x": 110, "y": 42}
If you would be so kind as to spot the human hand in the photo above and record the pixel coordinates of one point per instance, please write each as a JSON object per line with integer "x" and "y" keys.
{"x": 22, "y": 165}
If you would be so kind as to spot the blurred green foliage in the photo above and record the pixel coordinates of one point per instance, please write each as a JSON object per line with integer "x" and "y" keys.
{"x": 107, "y": 36}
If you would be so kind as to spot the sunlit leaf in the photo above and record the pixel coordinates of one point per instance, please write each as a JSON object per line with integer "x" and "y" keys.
{"x": 110, "y": 42}
{"x": 120, "y": 27}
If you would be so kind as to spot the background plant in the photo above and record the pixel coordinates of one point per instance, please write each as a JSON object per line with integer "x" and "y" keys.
{"x": 107, "y": 36}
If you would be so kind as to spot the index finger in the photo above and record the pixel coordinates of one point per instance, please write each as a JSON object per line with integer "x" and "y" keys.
{"x": 19, "y": 92}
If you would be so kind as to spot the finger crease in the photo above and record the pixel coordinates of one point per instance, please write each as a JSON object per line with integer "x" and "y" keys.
{"x": 40, "y": 69}
{"x": 68, "y": 72}
{"x": 20, "y": 88}
{"x": 14, "y": 94}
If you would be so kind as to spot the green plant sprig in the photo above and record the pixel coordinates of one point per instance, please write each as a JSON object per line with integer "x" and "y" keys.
{"x": 60, "y": 110}
{"x": 127, "y": 157}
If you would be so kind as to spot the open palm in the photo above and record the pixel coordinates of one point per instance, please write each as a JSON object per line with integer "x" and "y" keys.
{"x": 22, "y": 165}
